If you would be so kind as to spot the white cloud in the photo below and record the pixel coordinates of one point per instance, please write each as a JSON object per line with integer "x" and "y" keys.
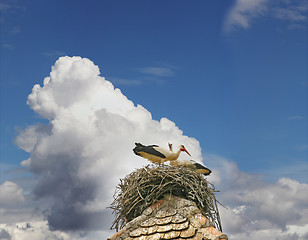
{"x": 4, "y": 6}
{"x": 289, "y": 14}
{"x": 296, "y": 117}
{"x": 33, "y": 230}
{"x": 157, "y": 71}
{"x": 8, "y": 46}
{"x": 87, "y": 146}
{"x": 301, "y": 148}
{"x": 124, "y": 81}
{"x": 256, "y": 209}
{"x": 16, "y": 30}
{"x": 245, "y": 11}
{"x": 294, "y": 11}
{"x": 259, "y": 209}
{"x": 10, "y": 194}
{"x": 26, "y": 163}
{"x": 38, "y": 230}
{"x": 53, "y": 53}
{"x": 242, "y": 13}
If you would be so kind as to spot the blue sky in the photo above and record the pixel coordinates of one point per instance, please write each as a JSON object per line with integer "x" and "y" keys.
{"x": 231, "y": 74}
{"x": 241, "y": 92}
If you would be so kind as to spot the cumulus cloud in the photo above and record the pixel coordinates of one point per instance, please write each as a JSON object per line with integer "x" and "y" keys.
{"x": 32, "y": 230}
{"x": 79, "y": 156}
{"x": 257, "y": 209}
{"x": 38, "y": 230}
{"x": 87, "y": 145}
{"x": 4, "y": 235}
{"x": 10, "y": 194}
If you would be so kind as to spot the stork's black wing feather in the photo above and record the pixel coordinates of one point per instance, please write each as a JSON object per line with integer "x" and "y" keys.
{"x": 141, "y": 145}
{"x": 201, "y": 167}
{"x": 147, "y": 149}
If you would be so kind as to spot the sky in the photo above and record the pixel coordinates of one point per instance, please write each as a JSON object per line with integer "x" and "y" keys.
{"x": 82, "y": 81}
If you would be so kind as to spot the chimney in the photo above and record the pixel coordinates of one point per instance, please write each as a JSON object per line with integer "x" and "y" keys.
{"x": 166, "y": 202}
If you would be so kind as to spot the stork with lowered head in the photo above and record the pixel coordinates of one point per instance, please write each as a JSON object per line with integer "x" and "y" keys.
{"x": 197, "y": 167}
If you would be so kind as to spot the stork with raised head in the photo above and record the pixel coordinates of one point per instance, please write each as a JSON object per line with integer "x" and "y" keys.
{"x": 197, "y": 167}
{"x": 157, "y": 154}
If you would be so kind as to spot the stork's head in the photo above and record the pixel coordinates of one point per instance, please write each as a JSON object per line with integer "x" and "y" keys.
{"x": 182, "y": 148}
{"x": 170, "y": 147}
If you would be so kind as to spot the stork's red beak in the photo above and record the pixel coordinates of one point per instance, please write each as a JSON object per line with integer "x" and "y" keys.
{"x": 187, "y": 151}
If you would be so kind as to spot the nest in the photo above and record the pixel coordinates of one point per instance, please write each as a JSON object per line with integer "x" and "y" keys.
{"x": 146, "y": 185}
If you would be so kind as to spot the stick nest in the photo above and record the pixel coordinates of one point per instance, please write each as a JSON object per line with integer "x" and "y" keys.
{"x": 146, "y": 185}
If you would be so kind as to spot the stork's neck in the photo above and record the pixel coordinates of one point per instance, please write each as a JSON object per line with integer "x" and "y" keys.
{"x": 174, "y": 156}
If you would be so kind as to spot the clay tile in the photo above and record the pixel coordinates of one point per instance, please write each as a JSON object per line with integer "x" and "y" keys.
{"x": 141, "y": 238}
{"x": 189, "y": 211}
{"x": 148, "y": 211}
{"x": 223, "y": 237}
{"x": 200, "y": 221}
{"x": 211, "y": 233}
{"x": 188, "y": 232}
{"x": 180, "y": 226}
{"x": 165, "y": 212}
{"x": 178, "y": 218}
{"x": 135, "y": 233}
{"x": 164, "y": 228}
{"x": 163, "y": 221}
{"x": 148, "y": 222}
{"x": 195, "y": 222}
{"x": 144, "y": 231}
{"x": 157, "y": 204}
{"x": 199, "y": 236}
{"x": 172, "y": 234}
{"x": 152, "y": 230}
{"x": 156, "y": 236}
{"x": 181, "y": 203}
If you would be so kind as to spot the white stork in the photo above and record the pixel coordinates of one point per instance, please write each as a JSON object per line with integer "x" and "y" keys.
{"x": 197, "y": 167}
{"x": 157, "y": 154}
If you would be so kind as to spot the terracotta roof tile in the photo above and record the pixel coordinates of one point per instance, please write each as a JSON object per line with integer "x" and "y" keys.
{"x": 170, "y": 218}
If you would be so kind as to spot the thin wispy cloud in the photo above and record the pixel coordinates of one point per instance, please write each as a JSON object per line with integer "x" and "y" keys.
{"x": 15, "y": 30}
{"x": 8, "y": 46}
{"x": 157, "y": 71}
{"x": 296, "y": 26}
{"x": 138, "y": 81}
{"x": 296, "y": 117}
{"x": 294, "y": 13}
{"x": 147, "y": 75}
{"x": 4, "y": 6}
{"x": 125, "y": 81}
{"x": 9, "y": 5}
{"x": 301, "y": 148}
{"x": 244, "y": 12}
{"x": 53, "y": 53}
